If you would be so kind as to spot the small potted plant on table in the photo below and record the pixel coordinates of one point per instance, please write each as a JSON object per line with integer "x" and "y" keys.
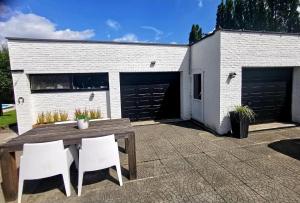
{"x": 240, "y": 119}
{"x": 82, "y": 121}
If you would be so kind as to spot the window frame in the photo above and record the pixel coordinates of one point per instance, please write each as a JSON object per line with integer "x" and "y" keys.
{"x": 199, "y": 87}
{"x": 71, "y": 78}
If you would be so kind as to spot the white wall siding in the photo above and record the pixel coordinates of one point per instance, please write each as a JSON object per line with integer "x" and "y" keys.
{"x": 61, "y": 57}
{"x": 296, "y": 96}
{"x": 25, "y": 109}
{"x": 81, "y": 57}
{"x": 115, "y": 94}
{"x": 239, "y": 50}
{"x": 206, "y": 60}
{"x": 69, "y": 101}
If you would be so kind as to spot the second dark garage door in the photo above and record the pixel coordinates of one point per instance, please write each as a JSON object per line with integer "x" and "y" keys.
{"x": 146, "y": 96}
{"x": 268, "y": 92}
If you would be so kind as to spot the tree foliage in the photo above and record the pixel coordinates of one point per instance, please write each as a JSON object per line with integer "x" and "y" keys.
{"x": 260, "y": 15}
{"x": 195, "y": 34}
{"x": 5, "y": 78}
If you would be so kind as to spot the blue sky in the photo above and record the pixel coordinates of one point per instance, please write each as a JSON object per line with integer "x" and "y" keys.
{"x": 163, "y": 21}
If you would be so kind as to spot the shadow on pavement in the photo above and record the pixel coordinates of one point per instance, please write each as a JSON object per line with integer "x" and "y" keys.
{"x": 290, "y": 147}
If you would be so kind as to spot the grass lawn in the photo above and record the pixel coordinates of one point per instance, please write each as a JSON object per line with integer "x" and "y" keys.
{"x": 8, "y": 118}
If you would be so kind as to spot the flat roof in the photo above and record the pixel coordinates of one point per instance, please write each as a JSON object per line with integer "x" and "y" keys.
{"x": 93, "y": 41}
{"x": 246, "y": 31}
{"x": 148, "y": 43}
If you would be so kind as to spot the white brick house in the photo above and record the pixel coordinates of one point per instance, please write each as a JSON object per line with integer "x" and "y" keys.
{"x": 199, "y": 74}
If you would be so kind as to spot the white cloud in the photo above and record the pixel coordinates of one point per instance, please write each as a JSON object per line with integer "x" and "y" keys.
{"x": 113, "y": 24}
{"x": 35, "y": 26}
{"x": 130, "y": 37}
{"x": 200, "y": 3}
{"x": 158, "y": 33}
{"x": 173, "y": 42}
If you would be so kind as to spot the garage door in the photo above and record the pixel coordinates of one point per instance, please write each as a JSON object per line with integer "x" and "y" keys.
{"x": 268, "y": 92}
{"x": 146, "y": 96}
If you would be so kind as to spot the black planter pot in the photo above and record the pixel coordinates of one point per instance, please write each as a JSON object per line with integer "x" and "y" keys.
{"x": 239, "y": 126}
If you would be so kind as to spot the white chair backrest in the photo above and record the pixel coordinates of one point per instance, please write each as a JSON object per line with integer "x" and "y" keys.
{"x": 43, "y": 159}
{"x": 99, "y": 152}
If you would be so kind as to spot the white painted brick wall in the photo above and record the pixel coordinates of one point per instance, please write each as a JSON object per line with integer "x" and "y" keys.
{"x": 25, "y": 108}
{"x": 81, "y": 57}
{"x": 69, "y": 101}
{"x": 252, "y": 50}
{"x": 206, "y": 60}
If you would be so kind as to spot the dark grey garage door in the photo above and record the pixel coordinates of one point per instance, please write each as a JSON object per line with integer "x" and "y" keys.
{"x": 147, "y": 96}
{"x": 268, "y": 92}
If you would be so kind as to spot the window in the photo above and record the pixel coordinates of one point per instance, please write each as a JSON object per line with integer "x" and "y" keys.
{"x": 50, "y": 82}
{"x": 90, "y": 81}
{"x": 197, "y": 86}
{"x": 68, "y": 82}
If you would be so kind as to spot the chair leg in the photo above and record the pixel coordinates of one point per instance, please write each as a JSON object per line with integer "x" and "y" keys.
{"x": 80, "y": 178}
{"x": 20, "y": 189}
{"x": 67, "y": 180}
{"x": 119, "y": 174}
{"x": 74, "y": 153}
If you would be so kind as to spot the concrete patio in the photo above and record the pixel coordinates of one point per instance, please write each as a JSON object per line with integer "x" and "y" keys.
{"x": 180, "y": 162}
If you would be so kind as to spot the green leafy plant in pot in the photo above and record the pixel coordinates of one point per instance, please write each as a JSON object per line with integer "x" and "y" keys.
{"x": 82, "y": 121}
{"x": 240, "y": 119}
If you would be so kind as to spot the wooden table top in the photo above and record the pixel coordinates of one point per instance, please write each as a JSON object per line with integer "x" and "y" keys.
{"x": 70, "y": 134}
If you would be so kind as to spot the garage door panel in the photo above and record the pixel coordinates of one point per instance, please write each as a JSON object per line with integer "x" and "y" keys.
{"x": 150, "y": 95}
{"x": 268, "y": 92}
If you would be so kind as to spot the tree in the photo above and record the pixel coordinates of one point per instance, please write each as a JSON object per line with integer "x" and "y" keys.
{"x": 293, "y": 21}
{"x": 250, "y": 12}
{"x": 260, "y": 16}
{"x": 195, "y": 34}
{"x": 220, "y": 21}
{"x": 229, "y": 23}
{"x": 238, "y": 15}
{"x": 5, "y": 78}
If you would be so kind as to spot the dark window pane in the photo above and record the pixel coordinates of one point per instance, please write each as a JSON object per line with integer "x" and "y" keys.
{"x": 90, "y": 81}
{"x": 197, "y": 86}
{"x": 50, "y": 82}
{"x": 69, "y": 82}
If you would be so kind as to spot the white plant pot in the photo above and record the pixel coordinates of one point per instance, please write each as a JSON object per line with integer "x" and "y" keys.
{"x": 82, "y": 124}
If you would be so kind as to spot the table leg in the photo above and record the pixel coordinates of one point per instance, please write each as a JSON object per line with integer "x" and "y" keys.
{"x": 9, "y": 175}
{"x": 126, "y": 146}
{"x": 132, "y": 157}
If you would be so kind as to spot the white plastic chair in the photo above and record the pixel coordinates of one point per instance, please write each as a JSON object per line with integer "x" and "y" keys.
{"x": 98, "y": 153}
{"x": 41, "y": 160}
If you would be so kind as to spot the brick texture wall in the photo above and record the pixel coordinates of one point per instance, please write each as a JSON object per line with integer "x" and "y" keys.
{"x": 82, "y": 57}
{"x": 206, "y": 60}
{"x": 253, "y": 50}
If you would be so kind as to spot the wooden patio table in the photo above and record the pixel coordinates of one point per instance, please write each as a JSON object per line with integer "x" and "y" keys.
{"x": 70, "y": 135}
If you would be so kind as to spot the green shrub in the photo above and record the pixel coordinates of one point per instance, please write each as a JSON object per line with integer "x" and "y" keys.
{"x": 95, "y": 114}
{"x": 245, "y": 112}
{"x": 49, "y": 117}
{"x": 41, "y": 118}
{"x": 56, "y": 116}
{"x": 63, "y": 115}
